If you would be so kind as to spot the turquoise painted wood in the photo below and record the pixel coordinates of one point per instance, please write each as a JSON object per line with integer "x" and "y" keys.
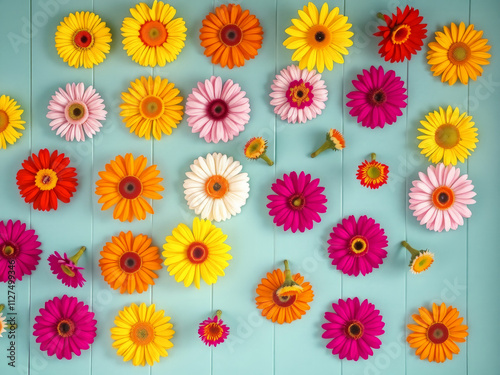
{"x": 465, "y": 270}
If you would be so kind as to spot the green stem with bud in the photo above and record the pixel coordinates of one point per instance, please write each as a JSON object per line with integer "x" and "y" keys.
{"x": 2, "y": 306}
{"x": 77, "y": 256}
{"x": 324, "y": 146}
{"x": 373, "y": 156}
{"x": 413, "y": 252}
{"x": 288, "y": 273}
{"x": 218, "y": 313}
{"x": 266, "y": 159}
{"x": 381, "y": 16}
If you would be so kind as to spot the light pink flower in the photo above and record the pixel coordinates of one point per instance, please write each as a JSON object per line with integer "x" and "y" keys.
{"x": 76, "y": 111}
{"x": 440, "y": 198}
{"x": 298, "y": 95}
{"x": 216, "y": 111}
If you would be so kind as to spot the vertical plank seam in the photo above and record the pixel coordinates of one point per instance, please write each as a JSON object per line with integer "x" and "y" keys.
{"x": 92, "y": 227}
{"x": 342, "y": 97}
{"x": 212, "y": 286}
{"x": 467, "y": 236}
{"x": 152, "y": 216}
{"x": 276, "y": 46}
{"x": 31, "y": 150}
{"x": 404, "y": 198}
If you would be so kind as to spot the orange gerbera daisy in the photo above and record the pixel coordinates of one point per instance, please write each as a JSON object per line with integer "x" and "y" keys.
{"x": 125, "y": 183}
{"x": 287, "y": 307}
{"x": 435, "y": 333}
{"x": 372, "y": 174}
{"x": 129, "y": 263}
{"x": 231, "y": 36}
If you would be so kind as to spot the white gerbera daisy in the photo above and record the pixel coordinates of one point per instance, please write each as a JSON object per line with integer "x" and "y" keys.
{"x": 215, "y": 189}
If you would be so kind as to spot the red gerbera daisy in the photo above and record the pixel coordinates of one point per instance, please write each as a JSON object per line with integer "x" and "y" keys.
{"x": 402, "y": 35}
{"x": 45, "y": 179}
{"x": 372, "y": 174}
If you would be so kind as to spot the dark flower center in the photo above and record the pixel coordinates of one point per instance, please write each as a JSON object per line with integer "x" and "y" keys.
{"x": 82, "y": 39}
{"x": 65, "y": 328}
{"x": 130, "y": 262}
{"x": 354, "y": 330}
{"x": 217, "y": 109}
{"x": 283, "y": 301}
{"x": 197, "y": 252}
{"x": 231, "y": 35}
{"x": 130, "y": 187}
{"x": 319, "y": 36}
{"x": 217, "y": 186}
{"x": 437, "y": 333}
{"x": 378, "y": 97}
{"x": 443, "y": 198}
{"x": 76, "y": 111}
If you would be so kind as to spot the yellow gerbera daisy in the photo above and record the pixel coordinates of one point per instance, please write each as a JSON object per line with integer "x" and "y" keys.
{"x": 420, "y": 260}
{"x": 458, "y": 53}
{"x": 151, "y": 106}
{"x": 10, "y": 120}
{"x": 153, "y": 36}
{"x": 319, "y": 38}
{"x": 142, "y": 334}
{"x": 82, "y": 39}
{"x": 201, "y": 253}
{"x": 447, "y": 136}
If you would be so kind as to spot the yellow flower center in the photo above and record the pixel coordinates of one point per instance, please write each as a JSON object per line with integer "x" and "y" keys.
{"x": 8, "y": 250}
{"x": 151, "y": 107}
{"x": 319, "y": 37}
{"x": 46, "y": 179}
{"x": 4, "y": 120}
{"x": 67, "y": 271}
{"x": 255, "y": 148}
{"x": 373, "y": 172}
{"x": 142, "y": 333}
{"x": 358, "y": 245}
{"x": 76, "y": 111}
{"x": 213, "y": 331}
{"x": 447, "y": 136}
{"x": 459, "y": 53}
{"x": 422, "y": 262}
{"x": 400, "y": 34}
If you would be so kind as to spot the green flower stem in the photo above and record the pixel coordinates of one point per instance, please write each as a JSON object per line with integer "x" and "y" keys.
{"x": 218, "y": 313}
{"x": 412, "y": 251}
{"x": 2, "y": 307}
{"x": 324, "y": 147}
{"x": 266, "y": 159}
{"x": 77, "y": 256}
{"x": 288, "y": 274}
{"x": 381, "y": 16}
{"x": 373, "y": 156}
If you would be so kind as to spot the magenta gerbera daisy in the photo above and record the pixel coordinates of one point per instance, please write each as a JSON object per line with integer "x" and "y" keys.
{"x": 298, "y": 95}
{"x": 19, "y": 246}
{"x": 217, "y": 111}
{"x": 213, "y": 331}
{"x": 297, "y": 203}
{"x": 64, "y": 327}
{"x": 76, "y": 111}
{"x": 66, "y": 269}
{"x": 357, "y": 246}
{"x": 440, "y": 198}
{"x": 378, "y": 98}
{"x": 353, "y": 329}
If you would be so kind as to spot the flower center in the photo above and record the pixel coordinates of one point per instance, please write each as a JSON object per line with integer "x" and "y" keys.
{"x": 130, "y": 262}
{"x": 130, "y": 187}
{"x": 83, "y": 39}
{"x": 76, "y": 111}
{"x": 300, "y": 94}
{"x": 378, "y": 97}
{"x": 447, "y": 136}
{"x": 400, "y": 34}
{"x": 256, "y": 148}
{"x": 443, "y": 197}
{"x": 151, "y": 107}
{"x": 354, "y": 330}
{"x": 142, "y": 333}
{"x": 68, "y": 271}
{"x": 459, "y": 53}
{"x": 153, "y": 33}
{"x": 283, "y": 301}
{"x": 216, "y": 187}
{"x": 4, "y": 120}
{"x": 373, "y": 172}
{"x": 319, "y": 37}
{"x": 213, "y": 331}
{"x": 9, "y": 250}
{"x": 297, "y": 201}
{"x": 437, "y": 333}
{"x": 66, "y": 328}
{"x": 197, "y": 252}
{"x": 231, "y": 35}
{"x": 46, "y": 179}
{"x": 359, "y": 245}
{"x": 424, "y": 262}
{"x": 217, "y": 109}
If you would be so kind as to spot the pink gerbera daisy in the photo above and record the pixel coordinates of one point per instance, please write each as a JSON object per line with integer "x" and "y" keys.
{"x": 216, "y": 111}
{"x": 440, "y": 198}
{"x": 378, "y": 98}
{"x": 212, "y": 331}
{"x": 357, "y": 246}
{"x": 298, "y": 95}
{"x": 20, "y": 247}
{"x": 353, "y": 329}
{"x": 66, "y": 268}
{"x": 297, "y": 203}
{"x": 65, "y": 326}
{"x": 76, "y": 112}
